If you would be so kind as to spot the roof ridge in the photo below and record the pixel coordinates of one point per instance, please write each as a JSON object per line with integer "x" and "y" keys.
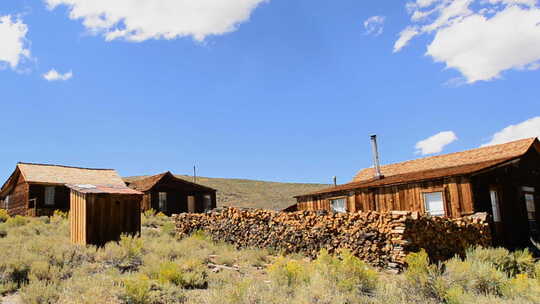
{"x": 532, "y": 139}
{"x": 64, "y": 166}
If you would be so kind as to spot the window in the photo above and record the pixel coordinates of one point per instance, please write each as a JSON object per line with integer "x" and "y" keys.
{"x": 531, "y": 208}
{"x": 495, "y": 205}
{"x": 49, "y": 196}
{"x": 207, "y": 202}
{"x": 163, "y": 201}
{"x": 434, "y": 203}
{"x": 338, "y": 205}
{"x": 6, "y": 202}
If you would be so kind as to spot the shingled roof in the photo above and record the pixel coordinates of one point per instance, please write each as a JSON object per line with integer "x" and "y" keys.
{"x": 146, "y": 183}
{"x": 62, "y": 175}
{"x": 452, "y": 164}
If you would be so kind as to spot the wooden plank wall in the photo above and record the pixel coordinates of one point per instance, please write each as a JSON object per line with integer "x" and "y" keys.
{"x": 77, "y": 217}
{"x": 18, "y": 200}
{"x": 457, "y": 191}
{"x": 108, "y": 216}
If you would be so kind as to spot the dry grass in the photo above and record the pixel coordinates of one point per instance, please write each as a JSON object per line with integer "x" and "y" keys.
{"x": 254, "y": 194}
{"x": 41, "y": 266}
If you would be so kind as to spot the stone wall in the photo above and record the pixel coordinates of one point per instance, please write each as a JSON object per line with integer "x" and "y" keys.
{"x": 381, "y": 239}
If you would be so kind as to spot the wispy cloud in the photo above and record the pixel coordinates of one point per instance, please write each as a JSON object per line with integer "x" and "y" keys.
{"x": 374, "y": 25}
{"x": 435, "y": 143}
{"x": 53, "y": 75}
{"x": 525, "y": 129}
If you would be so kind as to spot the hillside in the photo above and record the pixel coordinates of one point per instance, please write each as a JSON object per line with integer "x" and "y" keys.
{"x": 252, "y": 193}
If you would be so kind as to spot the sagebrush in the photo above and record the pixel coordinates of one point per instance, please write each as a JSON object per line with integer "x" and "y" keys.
{"x": 40, "y": 265}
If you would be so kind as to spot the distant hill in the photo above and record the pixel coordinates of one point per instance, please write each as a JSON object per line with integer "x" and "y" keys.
{"x": 252, "y": 193}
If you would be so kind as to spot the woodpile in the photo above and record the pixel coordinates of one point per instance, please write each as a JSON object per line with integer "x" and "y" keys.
{"x": 380, "y": 239}
{"x": 443, "y": 238}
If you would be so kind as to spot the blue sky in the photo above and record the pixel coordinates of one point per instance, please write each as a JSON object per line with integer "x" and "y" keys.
{"x": 271, "y": 90}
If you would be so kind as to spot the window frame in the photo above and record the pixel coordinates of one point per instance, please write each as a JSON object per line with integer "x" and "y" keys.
{"x": 47, "y": 195}
{"x": 495, "y": 206}
{"x": 345, "y": 198}
{"x": 162, "y": 204}
{"x": 444, "y": 202}
{"x": 207, "y": 204}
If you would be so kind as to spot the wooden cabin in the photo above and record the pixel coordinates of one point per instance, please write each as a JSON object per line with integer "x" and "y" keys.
{"x": 102, "y": 213}
{"x": 39, "y": 189}
{"x": 169, "y": 194}
{"x": 502, "y": 180}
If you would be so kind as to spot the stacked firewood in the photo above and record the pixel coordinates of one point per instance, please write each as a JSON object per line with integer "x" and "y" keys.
{"x": 377, "y": 238}
{"x": 443, "y": 238}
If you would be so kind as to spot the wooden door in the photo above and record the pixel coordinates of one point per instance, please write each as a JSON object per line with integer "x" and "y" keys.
{"x": 32, "y": 207}
{"x": 191, "y": 204}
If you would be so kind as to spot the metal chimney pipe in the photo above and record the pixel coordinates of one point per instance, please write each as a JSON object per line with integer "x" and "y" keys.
{"x": 335, "y": 181}
{"x": 376, "y": 162}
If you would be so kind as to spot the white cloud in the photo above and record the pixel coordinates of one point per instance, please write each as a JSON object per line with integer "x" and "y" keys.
{"x": 53, "y": 75}
{"x": 374, "y": 25}
{"x": 435, "y": 143}
{"x": 404, "y": 37}
{"x": 525, "y": 129}
{"x": 13, "y": 43}
{"x": 479, "y": 38}
{"x": 140, "y": 20}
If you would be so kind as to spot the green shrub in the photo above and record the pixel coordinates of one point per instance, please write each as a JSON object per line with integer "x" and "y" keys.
{"x": 347, "y": 272}
{"x": 4, "y": 216}
{"x": 194, "y": 273}
{"x": 186, "y": 273}
{"x": 169, "y": 228}
{"x": 42, "y": 271}
{"x": 424, "y": 277}
{"x": 13, "y": 274}
{"x": 522, "y": 287}
{"x": 149, "y": 213}
{"x": 137, "y": 289}
{"x": 200, "y": 235}
{"x": 95, "y": 289}
{"x": 288, "y": 273}
{"x": 16, "y": 221}
{"x": 38, "y": 292}
{"x": 511, "y": 263}
{"x": 60, "y": 214}
{"x": 170, "y": 272}
{"x": 166, "y": 294}
{"x": 126, "y": 255}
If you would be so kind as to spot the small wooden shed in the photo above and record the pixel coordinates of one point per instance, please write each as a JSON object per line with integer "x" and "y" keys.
{"x": 99, "y": 214}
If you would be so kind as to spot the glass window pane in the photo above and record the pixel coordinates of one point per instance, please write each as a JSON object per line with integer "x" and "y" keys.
{"x": 495, "y": 206}
{"x": 163, "y": 201}
{"x": 531, "y": 208}
{"x": 338, "y": 205}
{"x": 49, "y": 196}
{"x": 434, "y": 203}
{"x": 207, "y": 202}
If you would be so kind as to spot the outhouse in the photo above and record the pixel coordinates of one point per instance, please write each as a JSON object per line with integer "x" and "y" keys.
{"x": 102, "y": 213}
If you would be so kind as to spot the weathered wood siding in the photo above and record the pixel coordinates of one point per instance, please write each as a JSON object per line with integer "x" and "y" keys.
{"x": 77, "y": 217}
{"x": 457, "y": 191}
{"x": 18, "y": 198}
{"x": 99, "y": 218}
